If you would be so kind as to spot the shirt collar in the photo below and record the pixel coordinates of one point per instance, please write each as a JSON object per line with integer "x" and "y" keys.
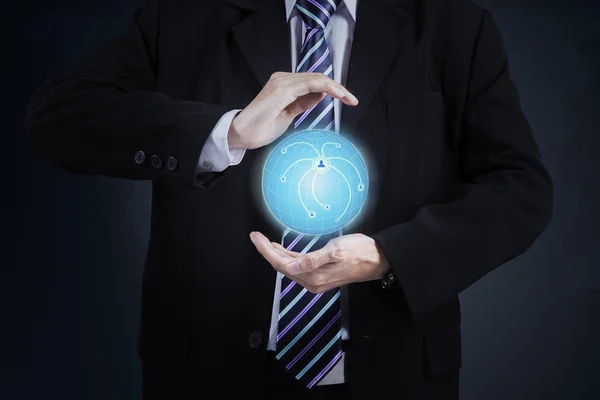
{"x": 350, "y": 5}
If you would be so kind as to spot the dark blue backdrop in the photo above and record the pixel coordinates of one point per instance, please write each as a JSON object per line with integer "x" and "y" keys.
{"x": 69, "y": 295}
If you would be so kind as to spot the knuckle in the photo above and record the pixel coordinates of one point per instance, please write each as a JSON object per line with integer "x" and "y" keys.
{"x": 305, "y": 85}
{"x": 338, "y": 252}
{"x": 338, "y": 255}
{"x": 277, "y": 81}
{"x": 311, "y": 263}
{"x": 276, "y": 85}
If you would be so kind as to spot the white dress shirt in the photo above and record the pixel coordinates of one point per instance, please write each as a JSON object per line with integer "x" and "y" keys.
{"x": 216, "y": 155}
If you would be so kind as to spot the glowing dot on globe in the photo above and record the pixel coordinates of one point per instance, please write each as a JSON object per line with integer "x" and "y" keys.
{"x": 315, "y": 182}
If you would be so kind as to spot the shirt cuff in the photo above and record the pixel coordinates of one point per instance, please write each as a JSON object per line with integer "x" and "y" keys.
{"x": 216, "y": 155}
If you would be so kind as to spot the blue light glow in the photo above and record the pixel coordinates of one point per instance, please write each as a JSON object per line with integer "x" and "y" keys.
{"x": 315, "y": 182}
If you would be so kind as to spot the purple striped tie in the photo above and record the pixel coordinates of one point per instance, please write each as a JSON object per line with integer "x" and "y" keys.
{"x": 315, "y": 56}
{"x": 309, "y": 326}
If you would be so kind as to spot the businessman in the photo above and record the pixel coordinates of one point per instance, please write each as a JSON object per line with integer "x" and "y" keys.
{"x": 193, "y": 96}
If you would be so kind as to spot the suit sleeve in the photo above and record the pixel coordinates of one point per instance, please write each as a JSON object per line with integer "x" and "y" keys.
{"x": 94, "y": 119}
{"x": 498, "y": 209}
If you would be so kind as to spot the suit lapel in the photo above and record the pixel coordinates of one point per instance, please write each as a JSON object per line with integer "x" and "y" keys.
{"x": 263, "y": 37}
{"x": 382, "y": 30}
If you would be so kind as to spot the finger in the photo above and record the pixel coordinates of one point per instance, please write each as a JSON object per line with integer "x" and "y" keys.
{"x": 288, "y": 256}
{"x": 310, "y": 261}
{"x": 321, "y": 83}
{"x": 285, "y": 251}
{"x": 302, "y": 83}
{"x": 285, "y": 256}
{"x": 263, "y": 245}
{"x": 304, "y": 103}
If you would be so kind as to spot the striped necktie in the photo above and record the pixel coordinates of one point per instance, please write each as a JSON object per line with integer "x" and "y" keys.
{"x": 316, "y": 57}
{"x": 309, "y": 325}
{"x": 309, "y": 328}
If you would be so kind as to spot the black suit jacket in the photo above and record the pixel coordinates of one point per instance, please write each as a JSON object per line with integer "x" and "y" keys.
{"x": 458, "y": 183}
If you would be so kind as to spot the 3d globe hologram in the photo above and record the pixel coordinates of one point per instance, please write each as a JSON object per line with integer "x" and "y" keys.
{"x": 315, "y": 182}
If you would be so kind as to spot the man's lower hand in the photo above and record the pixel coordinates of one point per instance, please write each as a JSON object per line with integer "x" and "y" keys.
{"x": 343, "y": 260}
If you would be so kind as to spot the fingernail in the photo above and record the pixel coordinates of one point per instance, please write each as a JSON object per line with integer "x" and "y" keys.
{"x": 352, "y": 97}
{"x": 252, "y": 237}
{"x": 293, "y": 268}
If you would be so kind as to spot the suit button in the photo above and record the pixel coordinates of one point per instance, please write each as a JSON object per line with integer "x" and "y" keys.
{"x": 255, "y": 339}
{"x": 172, "y": 164}
{"x": 140, "y": 157}
{"x": 156, "y": 161}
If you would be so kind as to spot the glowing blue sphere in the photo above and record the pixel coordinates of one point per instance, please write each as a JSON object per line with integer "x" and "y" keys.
{"x": 315, "y": 182}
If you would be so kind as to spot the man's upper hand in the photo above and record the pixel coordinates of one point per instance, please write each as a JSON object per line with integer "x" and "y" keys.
{"x": 343, "y": 260}
{"x": 285, "y": 96}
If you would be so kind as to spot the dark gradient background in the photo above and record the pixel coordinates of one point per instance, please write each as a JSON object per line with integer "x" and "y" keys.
{"x": 70, "y": 293}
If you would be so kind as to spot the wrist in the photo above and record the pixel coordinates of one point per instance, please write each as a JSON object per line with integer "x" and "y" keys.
{"x": 382, "y": 265}
{"x": 234, "y": 139}
{"x": 384, "y": 269}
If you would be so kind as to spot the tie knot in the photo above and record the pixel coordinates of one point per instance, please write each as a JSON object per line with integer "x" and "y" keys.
{"x": 316, "y": 13}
